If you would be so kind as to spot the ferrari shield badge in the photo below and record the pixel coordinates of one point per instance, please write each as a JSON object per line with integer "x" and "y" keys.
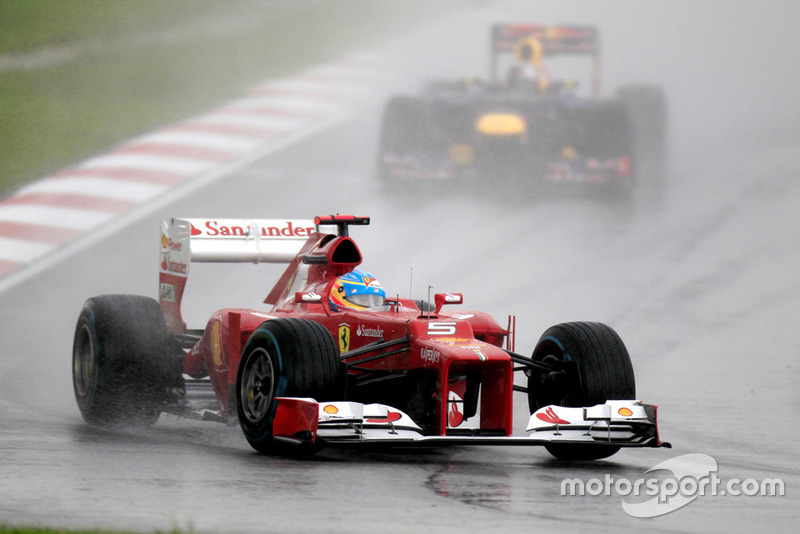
{"x": 344, "y": 337}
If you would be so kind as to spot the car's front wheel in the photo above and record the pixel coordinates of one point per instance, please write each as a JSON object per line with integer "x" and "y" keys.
{"x": 285, "y": 357}
{"x": 604, "y": 372}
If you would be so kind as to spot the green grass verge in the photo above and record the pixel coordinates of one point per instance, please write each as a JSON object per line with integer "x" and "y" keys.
{"x": 76, "y": 81}
{"x": 22, "y": 530}
{"x": 55, "y": 22}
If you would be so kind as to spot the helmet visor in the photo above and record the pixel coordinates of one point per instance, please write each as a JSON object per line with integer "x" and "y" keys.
{"x": 367, "y": 300}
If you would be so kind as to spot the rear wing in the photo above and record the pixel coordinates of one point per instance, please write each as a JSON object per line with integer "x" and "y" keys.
{"x": 184, "y": 241}
{"x": 579, "y": 40}
{"x": 554, "y": 40}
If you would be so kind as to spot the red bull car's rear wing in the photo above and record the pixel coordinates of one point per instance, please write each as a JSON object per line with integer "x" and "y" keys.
{"x": 547, "y": 41}
{"x": 184, "y": 241}
{"x": 579, "y": 40}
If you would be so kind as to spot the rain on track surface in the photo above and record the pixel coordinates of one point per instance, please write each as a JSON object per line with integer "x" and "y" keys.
{"x": 699, "y": 278}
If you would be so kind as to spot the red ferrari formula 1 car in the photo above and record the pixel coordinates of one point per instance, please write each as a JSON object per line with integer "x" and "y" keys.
{"x": 337, "y": 363}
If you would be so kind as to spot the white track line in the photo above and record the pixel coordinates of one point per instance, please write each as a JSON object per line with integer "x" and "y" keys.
{"x": 76, "y": 219}
{"x": 116, "y": 189}
{"x": 151, "y": 163}
{"x": 274, "y": 123}
{"x": 23, "y": 251}
{"x": 202, "y": 140}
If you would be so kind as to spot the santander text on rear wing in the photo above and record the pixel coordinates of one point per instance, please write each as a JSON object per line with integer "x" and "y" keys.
{"x": 184, "y": 241}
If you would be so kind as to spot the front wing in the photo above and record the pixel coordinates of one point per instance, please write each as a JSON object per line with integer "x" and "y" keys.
{"x": 350, "y": 424}
{"x": 589, "y": 171}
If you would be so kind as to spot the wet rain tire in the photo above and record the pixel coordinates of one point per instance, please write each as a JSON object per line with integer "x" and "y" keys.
{"x": 605, "y": 370}
{"x": 285, "y": 357}
{"x": 647, "y": 109}
{"x": 124, "y": 362}
{"x": 406, "y": 129}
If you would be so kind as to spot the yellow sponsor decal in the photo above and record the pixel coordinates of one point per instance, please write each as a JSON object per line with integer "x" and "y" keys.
{"x": 461, "y": 153}
{"x": 625, "y": 412}
{"x": 501, "y": 124}
{"x": 216, "y": 346}
{"x": 569, "y": 153}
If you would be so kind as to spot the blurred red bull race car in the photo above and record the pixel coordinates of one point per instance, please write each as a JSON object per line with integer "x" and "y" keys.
{"x": 539, "y": 120}
{"x": 337, "y": 363}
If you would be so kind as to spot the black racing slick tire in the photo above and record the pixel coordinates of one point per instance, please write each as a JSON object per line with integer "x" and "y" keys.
{"x": 286, "y": 357}
{"x": 125, "y": 365}
{"x": 604, "y": 373}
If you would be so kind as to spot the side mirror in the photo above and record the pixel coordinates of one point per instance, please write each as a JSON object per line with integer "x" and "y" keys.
{"x": 307, "y": 296}
{"x": 440, "y": 299}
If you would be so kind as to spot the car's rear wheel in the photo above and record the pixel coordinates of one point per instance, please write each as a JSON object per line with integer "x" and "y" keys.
{"x": 406, "y": 131}
{"x": 647, "y": 109}
{"x": 285, "y": 357}
{"x": 604, "y": 373}
{"x": 125, "y": 364}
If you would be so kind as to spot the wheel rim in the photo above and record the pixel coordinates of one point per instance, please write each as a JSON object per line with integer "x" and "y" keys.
{"x": 549, "y": 354}
{"x": 83, "y": 362}
{"x": 545, "y": 399}
{"x": 257, "y": 385}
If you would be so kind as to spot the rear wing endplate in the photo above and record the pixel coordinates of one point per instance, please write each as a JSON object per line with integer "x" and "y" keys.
{"x": 184, "y": 241}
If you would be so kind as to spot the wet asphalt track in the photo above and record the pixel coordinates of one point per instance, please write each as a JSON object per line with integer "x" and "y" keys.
{"x": 697, "y": 272}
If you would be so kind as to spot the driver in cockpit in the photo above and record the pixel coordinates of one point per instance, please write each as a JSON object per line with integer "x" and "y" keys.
{"x": 356, "y": 290}
{"x": 529, "y": 70}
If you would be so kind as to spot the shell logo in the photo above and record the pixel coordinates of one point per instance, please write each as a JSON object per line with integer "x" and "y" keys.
{"x": 330, "y": 409}
{"x": 625, "y": 412}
